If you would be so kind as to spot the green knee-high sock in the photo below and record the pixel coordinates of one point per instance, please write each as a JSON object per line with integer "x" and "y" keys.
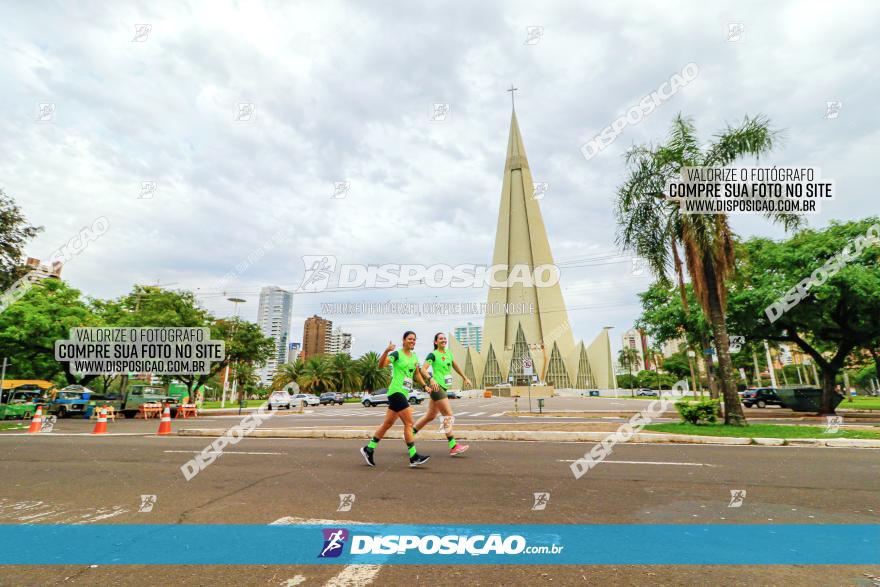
{"x": 451, "y": 440}
{"x": 412, "y": 449}
{"x": 373, "y": 443}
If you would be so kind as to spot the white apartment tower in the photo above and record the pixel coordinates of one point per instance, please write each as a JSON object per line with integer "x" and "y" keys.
{"x": 273, "y": 317}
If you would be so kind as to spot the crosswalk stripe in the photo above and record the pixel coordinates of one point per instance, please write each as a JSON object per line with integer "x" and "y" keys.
{"x": 496, "y": 415}
{"x": 474, "y": 415}
{"x": 462, "y": 413}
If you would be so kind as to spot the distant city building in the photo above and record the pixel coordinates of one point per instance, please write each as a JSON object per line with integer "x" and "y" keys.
{"x": 273, "y": 317}
{"x": 317, "y": 334}
{"x": 636, "y": 339}
{"x": 293, "y": 351}
{"x": 340, "y": 342}
{"x": 469, "y": 336}
{"x": 785, "y": 355}
{"x": 670, "y": 347}
{"x": 44, "y": 271}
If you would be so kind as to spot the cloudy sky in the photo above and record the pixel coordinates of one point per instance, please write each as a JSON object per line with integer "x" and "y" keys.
{"x": 344, "y": 92}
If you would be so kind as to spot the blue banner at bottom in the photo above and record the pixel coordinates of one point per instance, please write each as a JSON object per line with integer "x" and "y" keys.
{"x": 599, "y": 544}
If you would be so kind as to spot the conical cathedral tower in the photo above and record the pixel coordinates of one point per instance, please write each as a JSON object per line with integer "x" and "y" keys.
{"x": 542, "y": 332}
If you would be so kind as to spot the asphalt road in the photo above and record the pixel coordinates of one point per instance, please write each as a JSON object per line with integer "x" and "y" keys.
{"x": 67, "y": 479}
{"x": 467, "y": 411}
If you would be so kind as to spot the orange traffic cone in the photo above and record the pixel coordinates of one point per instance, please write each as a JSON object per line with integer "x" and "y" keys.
{"x": 165, "y": 424}
{"x": 101, "y": 424}
{"x": 36, "y": 421}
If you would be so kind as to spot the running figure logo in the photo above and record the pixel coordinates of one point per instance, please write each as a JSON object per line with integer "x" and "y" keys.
{"x": 147, "y": 503}
{"x": 737, "y": 497}
{"x": 319, "y": 268}
{"x": 541, "y": 501}
{"x": 334, "y": 541}
{"x": 832, "y": 425}
{"x": 346, "y": 500}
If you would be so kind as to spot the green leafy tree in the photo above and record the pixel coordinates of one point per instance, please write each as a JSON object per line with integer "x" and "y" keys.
{"x": 30, "y": 326}
{"x": 628, "y": 358}
{"x": 244, "y": 343}
{"x": 677, "y": 364}
{"x": 317, "y": 376}
{"x": 15, "y": 232}
{"x": 654, "y": 229}
{"x": 344, "y": 372}
{"x": 372, "y": 377}
{"x": 829, "y": 322}
{"x": 287, "y": 373}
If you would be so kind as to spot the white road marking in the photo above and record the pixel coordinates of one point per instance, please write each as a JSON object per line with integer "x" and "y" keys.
{"x": 229, "y": 452}
{"x": 14, "y": 510}
{"x": 351, "y": 575}
{"x": 462, "y": 413}
{"x": 496, "y": 415}
{"x": 644, "y": 463}
{"x": 474, "y": 415}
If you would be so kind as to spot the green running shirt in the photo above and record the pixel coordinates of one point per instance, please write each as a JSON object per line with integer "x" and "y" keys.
{"x": 441, "y": 364}
{"x": 404, "y": 368}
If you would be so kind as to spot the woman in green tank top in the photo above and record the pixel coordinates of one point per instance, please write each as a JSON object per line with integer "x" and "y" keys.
{"x": 405, "y": 366}
{"x": 442, "y": 364}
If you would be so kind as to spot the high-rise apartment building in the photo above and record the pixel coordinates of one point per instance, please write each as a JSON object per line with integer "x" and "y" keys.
{"x": 317, "y": 335}
{"x": 469, "y": 336}
{"x": 273, "y": 317}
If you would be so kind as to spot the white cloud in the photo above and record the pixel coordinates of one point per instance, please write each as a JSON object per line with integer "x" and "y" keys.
{"x": 343, "y": 91}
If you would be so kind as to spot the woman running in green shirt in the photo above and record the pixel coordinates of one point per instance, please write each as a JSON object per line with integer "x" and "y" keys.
{"x": 405, "y": 365}
{"x": 442, "y": 364}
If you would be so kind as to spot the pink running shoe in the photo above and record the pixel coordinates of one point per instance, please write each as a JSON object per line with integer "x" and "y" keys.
{"x": 458, "y": 449}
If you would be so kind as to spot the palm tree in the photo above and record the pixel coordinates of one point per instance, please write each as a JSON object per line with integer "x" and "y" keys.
{"x": 345, "y": 374}
{"x": 654, "y": 228}
{"x": 286, "y": 374}
{"x": 372, "y": 376}
{"x": 628, "y": 357}
{"x": 317, "y": 376}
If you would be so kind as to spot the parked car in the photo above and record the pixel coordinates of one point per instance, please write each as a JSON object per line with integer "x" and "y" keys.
{"x": 306, "y": 398}
{"x": 454, "y": 393}
{"x": 646, "y": 392}
{"x": 332, "y": 397}
{"x": 761, "y": 397}
{"x": 376, "y": 399}
{"x": 417, "y": 396}
{"x": 280, "y": 399}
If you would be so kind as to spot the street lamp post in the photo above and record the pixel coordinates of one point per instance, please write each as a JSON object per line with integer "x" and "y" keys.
{"x": 611, "y": 361}
{"x": 236, "y": 302}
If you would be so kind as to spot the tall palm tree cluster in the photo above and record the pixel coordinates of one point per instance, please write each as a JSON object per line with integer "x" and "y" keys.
{"x": 653, "y": 228}
{"x": 338, "y": 372}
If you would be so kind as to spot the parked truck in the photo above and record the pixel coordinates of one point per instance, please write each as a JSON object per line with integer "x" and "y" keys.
{"x": 135, "y": 396}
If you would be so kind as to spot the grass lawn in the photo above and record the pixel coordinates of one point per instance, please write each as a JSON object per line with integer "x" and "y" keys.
{"x": 860, "y": 403}
{"x": 13, "y": 425}
{"x": 760, "y": 431}
{"x": 251, "y": 403}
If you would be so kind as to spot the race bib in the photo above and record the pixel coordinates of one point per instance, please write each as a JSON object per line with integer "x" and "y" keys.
{"x": 448, "y": 380}
{"x": 407, "y": 383}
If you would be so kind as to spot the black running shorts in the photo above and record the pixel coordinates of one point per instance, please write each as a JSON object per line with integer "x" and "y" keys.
{"x": 438, "y": 395}
{"x": 397, "y": 402}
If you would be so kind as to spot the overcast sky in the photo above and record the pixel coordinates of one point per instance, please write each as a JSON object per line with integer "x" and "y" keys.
{"x": 344, "y": 91}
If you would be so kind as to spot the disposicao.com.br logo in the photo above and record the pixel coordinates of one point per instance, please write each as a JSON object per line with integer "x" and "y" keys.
{"x": 450, "y": 544}
{"x": 320, "y": 271}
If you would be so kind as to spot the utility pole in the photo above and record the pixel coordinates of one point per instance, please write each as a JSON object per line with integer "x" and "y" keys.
{"x": 3, "y": 378}
{"x": 757, "y": 369}
{"x": 235, "y": 301}
{"x": 770, "y": 366}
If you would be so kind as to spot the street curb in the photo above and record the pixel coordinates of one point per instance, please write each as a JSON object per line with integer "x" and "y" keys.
{"x": 546, "y": 436}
